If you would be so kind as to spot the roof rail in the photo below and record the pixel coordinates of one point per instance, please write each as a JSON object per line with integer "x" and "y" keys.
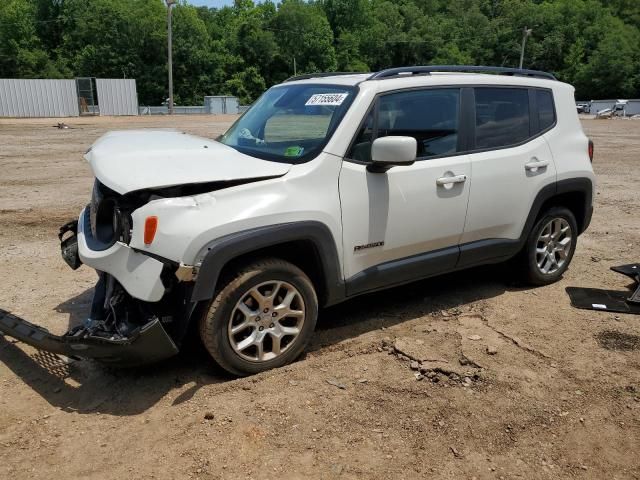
{"x": 320, "y": 75}
{"x": 427, "y": 70}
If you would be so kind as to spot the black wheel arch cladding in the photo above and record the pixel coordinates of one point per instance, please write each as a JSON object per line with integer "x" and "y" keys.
{"x": 230, "y": 247}
{"x": 548, "y": 195}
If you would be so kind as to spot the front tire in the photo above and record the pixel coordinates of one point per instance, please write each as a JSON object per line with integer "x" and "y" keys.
{"x": 550, "y": 246}
{"x": 262, "y": 318}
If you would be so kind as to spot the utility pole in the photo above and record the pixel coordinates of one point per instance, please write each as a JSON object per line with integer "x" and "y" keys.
{"x": 295, "y": 70}
{"x": 170, "y": 4}
{"x": 525, "y": 33}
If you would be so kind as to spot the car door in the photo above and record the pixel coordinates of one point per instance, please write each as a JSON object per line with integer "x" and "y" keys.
{"x": 511, "y": 163}
{"x": 405, "y": 223}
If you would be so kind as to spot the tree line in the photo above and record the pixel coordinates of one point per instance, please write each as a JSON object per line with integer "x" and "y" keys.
{"x": 243, "y": 49}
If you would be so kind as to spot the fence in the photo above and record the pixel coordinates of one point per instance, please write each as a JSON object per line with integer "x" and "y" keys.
{"x": 180, "y": 110}
{"x": 67, "y": 98}
{"x": 221, "y": 104}
{"x": 38, "y": 98}
{"x": 93, "y": 96}
{"x": 164, "y": 110}
{"x": 117, "y": 96}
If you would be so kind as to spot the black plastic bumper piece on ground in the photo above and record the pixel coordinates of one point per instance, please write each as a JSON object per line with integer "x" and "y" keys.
{"x": 602, "y": 300}
{"x": 632, "y": 271}
{"x": 610, "y": 300}
{"x": 151, "y": 344}
{"x": 69, "y": 246}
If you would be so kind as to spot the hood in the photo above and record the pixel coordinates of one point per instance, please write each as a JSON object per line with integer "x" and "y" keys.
{"x": 131, "y": 160}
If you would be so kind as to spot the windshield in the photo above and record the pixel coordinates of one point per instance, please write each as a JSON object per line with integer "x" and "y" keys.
{"x": 290, "y": 123}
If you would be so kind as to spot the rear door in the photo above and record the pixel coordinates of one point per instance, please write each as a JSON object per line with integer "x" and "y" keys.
{"x": 510, "y": 163}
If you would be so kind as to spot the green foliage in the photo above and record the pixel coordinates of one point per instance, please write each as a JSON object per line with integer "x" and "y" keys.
{"x": 243, "y": 49}
{"x": 246, "y": 85}
{"x": 615, "y": 61}
{"x": 21, "y": 51}
{"x": 115, "y": 39}
{"x": 304, "y": 33}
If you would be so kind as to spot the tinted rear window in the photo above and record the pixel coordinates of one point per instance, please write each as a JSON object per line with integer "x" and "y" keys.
{"x": 502, "y": 117}
{"x": 546, "y": 112}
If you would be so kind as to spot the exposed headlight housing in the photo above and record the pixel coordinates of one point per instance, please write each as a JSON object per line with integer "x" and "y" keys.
{"x": 108, "y": 223}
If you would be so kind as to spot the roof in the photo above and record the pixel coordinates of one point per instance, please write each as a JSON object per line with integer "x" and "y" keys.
{"x": 341, "y": 79}
{"x": 429, "y": 74}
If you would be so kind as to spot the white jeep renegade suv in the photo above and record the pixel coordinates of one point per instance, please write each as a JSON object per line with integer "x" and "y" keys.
{"x": 330, "y": 186}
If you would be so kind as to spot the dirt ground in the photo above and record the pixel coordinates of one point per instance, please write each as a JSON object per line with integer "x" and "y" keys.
{"x": 560, "y": 398}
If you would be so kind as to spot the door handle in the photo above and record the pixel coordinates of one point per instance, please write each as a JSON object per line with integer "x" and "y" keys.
{"x": 450, "y": 180}
{"x": 535, "y": 164}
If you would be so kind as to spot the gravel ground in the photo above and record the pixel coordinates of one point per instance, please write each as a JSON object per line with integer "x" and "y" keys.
{"x": 546, "y": 391}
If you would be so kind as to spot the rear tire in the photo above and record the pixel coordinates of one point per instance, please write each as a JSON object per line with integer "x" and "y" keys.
{"x": 549, "y": 247}
{"x": 261, "y": 318}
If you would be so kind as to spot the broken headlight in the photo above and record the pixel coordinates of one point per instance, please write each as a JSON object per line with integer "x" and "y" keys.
{"x": 109, "y": 216}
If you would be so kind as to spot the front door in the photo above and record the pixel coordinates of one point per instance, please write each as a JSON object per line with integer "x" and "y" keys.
{"x": 406, "y": 223}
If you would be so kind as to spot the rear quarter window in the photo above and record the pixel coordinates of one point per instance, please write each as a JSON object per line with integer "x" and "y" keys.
{"x": 546, "y": 110}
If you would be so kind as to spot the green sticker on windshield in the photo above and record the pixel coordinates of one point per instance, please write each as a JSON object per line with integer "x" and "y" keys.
{"x": 293, "y": 151}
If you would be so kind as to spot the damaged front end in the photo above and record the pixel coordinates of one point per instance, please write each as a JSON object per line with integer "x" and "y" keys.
{"x": 135, "y": 328}
{"x": 149, "y": 343}
{"x": 120, "y": 330}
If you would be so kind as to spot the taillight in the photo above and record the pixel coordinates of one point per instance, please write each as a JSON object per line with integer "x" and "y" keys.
{"x": 591, "y": 151}
{"x": 150, "y": 227}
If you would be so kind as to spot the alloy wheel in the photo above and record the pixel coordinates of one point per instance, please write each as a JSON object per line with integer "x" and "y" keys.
{"x": 266, "y": 321}
{"x": 553, "y": 246}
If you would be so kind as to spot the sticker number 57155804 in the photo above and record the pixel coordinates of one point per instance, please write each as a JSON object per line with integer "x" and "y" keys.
{"x": 328, "y": 99}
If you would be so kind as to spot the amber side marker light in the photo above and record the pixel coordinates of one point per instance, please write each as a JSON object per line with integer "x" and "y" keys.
{"x": 150, "y": 227}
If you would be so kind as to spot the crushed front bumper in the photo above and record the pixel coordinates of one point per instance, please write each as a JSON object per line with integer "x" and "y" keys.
{"x": 138, "y": 274}
{"x": 150, "y": 344}
{"x": 125, "y": 335}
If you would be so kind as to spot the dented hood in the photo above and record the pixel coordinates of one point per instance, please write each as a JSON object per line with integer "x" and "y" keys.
{"x": 131, "y": 160}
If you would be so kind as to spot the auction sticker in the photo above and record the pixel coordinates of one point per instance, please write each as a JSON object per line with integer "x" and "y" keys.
{"x": 327, "y": 99}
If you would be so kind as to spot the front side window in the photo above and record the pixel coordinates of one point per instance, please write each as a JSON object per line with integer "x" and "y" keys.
{"x": 361, "y": 149}
{"x": 502, "y": 117}
{"x": 430, "y": 116}
{"x": 290, "y": 123}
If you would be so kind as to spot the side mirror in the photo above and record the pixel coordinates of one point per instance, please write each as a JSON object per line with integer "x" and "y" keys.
{"x": 387, "y": 152}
